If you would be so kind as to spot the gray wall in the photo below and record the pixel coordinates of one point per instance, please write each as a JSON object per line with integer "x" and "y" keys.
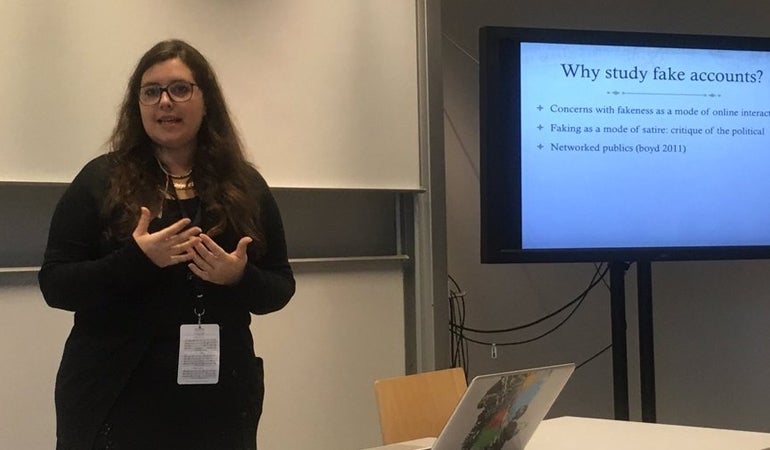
{"x": 711, "y": 332}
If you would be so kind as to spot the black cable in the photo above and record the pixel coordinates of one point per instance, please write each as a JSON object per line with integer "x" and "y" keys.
{"x": 604, "y": 282}
{"x": 597, "y": 277}
{"x": 457, "y": 312}
{"x": 593, "y": 357}
{"x": 465, "y": 361}
{"x": 455, "y": 343}
{"x": 451, "y": 321}
{"x": 527, "y": 341}
{"x": 457, "y": 328}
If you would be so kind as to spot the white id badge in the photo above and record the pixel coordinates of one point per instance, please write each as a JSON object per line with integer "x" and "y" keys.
{"x": 198, "y": 354}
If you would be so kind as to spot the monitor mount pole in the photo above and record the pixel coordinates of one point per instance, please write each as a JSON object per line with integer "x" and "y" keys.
{"x": 646, "y": 344}
{"x": 619, "y": 357}
{"x": 619, "y": 343}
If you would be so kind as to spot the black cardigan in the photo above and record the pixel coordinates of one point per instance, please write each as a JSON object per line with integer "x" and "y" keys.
{"x": 124, "y": 304}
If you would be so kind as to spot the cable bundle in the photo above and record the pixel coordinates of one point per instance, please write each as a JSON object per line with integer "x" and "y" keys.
{"x": 459, "y": 331}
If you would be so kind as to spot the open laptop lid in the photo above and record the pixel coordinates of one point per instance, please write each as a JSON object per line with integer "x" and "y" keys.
{"x": 501, "y": 411}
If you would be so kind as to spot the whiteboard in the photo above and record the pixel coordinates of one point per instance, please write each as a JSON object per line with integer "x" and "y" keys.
{"x": 324, "y": 93}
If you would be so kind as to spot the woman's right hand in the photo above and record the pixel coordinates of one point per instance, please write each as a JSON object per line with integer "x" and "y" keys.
{"x": 168, "y": 246}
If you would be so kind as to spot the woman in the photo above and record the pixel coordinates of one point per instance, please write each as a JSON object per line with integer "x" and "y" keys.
{"x": 163, "y": 247}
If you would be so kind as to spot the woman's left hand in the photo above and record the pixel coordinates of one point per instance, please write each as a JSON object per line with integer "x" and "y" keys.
{"x": 211, "y": 263}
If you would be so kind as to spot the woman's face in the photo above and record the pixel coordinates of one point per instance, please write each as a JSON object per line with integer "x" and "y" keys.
{"x": 172, "y": 125}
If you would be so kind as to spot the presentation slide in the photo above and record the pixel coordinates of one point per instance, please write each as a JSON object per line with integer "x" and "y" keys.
{"x": 644, "y": 147}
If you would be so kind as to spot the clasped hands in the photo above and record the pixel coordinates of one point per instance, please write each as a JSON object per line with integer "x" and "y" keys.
{"x": 205, "y": 258}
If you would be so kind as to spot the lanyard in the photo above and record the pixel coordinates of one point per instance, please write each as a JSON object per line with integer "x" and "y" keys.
{"x": 199, "y": 309}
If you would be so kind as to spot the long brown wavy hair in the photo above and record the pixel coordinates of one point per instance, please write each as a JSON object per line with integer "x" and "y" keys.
{"x": 224, "y": 179}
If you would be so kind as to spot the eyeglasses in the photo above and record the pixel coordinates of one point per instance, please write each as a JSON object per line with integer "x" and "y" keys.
{"x": 178, "y": 91}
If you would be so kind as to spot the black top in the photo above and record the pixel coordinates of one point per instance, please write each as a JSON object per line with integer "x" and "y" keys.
{"x": 118, "y": 370}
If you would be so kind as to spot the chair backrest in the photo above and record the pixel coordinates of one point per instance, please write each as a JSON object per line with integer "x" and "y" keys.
{"x": 418, "y": 406}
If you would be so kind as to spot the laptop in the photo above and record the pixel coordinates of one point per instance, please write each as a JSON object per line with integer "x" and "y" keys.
{"x": 500, "y": 411}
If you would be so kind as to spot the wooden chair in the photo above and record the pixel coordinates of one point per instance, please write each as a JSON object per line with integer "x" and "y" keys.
{"x": 418, "y": 406}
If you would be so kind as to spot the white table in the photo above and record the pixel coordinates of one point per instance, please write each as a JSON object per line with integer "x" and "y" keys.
{"x": 565, "y": 433}
{"x": 578, "y": 433}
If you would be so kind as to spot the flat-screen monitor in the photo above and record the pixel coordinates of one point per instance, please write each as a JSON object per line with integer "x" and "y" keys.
{"x": 623, "y": 146}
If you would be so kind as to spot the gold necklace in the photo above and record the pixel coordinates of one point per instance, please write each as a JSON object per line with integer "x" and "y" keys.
{"x": 189, "y": 185}
{"x": 184, "y": 186}
{"x": 173, "y": 177}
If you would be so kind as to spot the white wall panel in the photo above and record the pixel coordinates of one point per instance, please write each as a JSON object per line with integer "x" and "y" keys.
{"x": 325, "y": 94}
{"x": 342, "y": 330}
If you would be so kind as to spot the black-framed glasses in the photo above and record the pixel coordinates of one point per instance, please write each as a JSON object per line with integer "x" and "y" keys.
{"x": 178, "y": 91}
